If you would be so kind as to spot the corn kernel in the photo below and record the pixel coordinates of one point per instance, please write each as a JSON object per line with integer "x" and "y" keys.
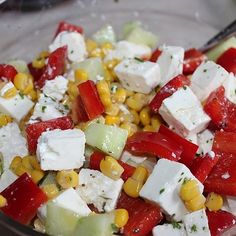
{"x": 108, "y": 75}
{"x": 131, "y": 128}
{"x": 132, "y": 187}
{"x": 111, "y": 64}
{"x": 140, "y": 174}
{"x": 10, "y": 92}
{"x": 81, "y": 75}
{"x": 17, "y": 160}
{"x": 112, "y": 120}
{"x": 34, "y": 163}
{"x": 51, "y": 190}
{"x": 136, "y": 116}
{"x": 37, "y": 175}
{"x": 67, "y": 178}
{"x": 90, "y": 45}
{"x": 134, "y": 104}
{"x": 102, "y": 87}
{"x": 145, "y": 116}
{"x": 5, "y": 119}
{"x": 72, "y": 90}
{"x": 148, "y": 128}
{"x": 156, "y": 123}
{"x": 33, "y": 95}
{"x": 38, "y": 62}
{"x": 3, "y": 201}
{"x": 111, "y": 168}
{"x": 120, "y": 95}
{"x": 44, "y": 54}
{"x": 214, "y": 202}
{"x": 26, "y": 162}
{"x": 121, "y": 217}
{"x": 97, "y": 52}
{"x": 196, "y": 203}
{"x": 112, "y": 110}
{"x": 106, "y": 100}
{"x": 106, "y": 47}
{"x": 189, "y": 190}
{"x": 24, "y": 83}
{"x": 20, "y": 170}
{"x": 126, "y": 117}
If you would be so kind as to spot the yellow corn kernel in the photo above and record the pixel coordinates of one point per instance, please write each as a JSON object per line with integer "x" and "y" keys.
{"x": 106, "y": 47}
{"x": 214, "y": 202}
{"x": 112, "y": 120}
{"x": 111, "y": 64}
{"x": 156, "y": 123}
{"x": 17, "y": 160}
{"x": 126, "y": 117}
{"x": 132, "y": 187}
{"x": 20, "y": 170}
{"x": 108, "y": 75}
{"x": 140, "y": 174}
{"x": 33, "y": 95}
{"x": 26, "y": 162}
{"x": 196, "y": 203}
{"x": 189, "y": 190}
{"x": 44, "y": 54}
{"x": 34, "y": 163}
{"x": 10, "y": 93}
{"x": 51, "y": 190}
{"x": 102, "y": 87}
{"x": 134, "y": 104}
{"x": 130, "y": 127}
{"x": 38, "y": 62}
{"x": 97, "y": 52}
{"x": 112, "y": 110}
{"x": 121, "y": 217}
{"x": 136, "y": 116}
{"x": 3, "y": 201}
{"x": 72, "y": 90}
{"x": 24, "y": 83}
{"x": 90, "y": 45}
{"x": 37, "y": 175}
{"x": 106, "y": 100}
{"x": 148, "y": 128}
{"x": 5, "y": 119}
{"x": 110, "y": 167}
{"x": 145, "y": 116}
{"x": 120, "y": 95}
{"x": 81, "y": 75}
{"x": 67, "y": 178}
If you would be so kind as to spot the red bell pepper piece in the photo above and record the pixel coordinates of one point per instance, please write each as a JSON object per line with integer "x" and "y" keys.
{"x": 221, "y": 110}
{"x": 154, "y": 144}
{"x": 65, "y": 26}
{"x": 192, "y": 59}
{"x": 167, "y": 90}
{"x": 143, "y": 216}
{"x": 54, "y": 67}
{"x": 155, "y": 55}
{"x": 90, "y": 99}
{"x": 78, "y": 111}
{"x": 228, "y": 60}
{"x": 7, "y": 71}
{"x": 33, "y": 131}
{"x": 23, "y": 199}
{"x": 220, "y": 222}
{"x": 189, "y": 149}
{"x": 36, "y": 73}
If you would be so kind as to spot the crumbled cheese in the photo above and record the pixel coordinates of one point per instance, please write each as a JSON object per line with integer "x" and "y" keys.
{"x": 226, "y": 175}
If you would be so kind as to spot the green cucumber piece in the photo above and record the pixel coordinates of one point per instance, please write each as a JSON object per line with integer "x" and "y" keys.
{"x": 129, "y": 26}
{"x": 20, "y": 65}
{"x": 93, "y": 66}
{"x": 60, "y": 221}
{"x": 105, "y": 35}
{"x": 50, "y": 178}
{"x": 107, "y": 138}
{"x": 95, "y": 225}
{"x": 214, "y": 53}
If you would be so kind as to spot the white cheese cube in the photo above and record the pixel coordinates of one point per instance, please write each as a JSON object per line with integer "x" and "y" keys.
{"x": 196, "y": 223}
{"x": 128, "y": 157}
{"x": 206, "y": 78}
{"x": 75, "y": 43}
{"x": 205, "y": 141}
{"x": 12, "y": 144}
{"x": 55, "y": 88}
{"x": 192, "y": 138}
{"x": 138, "y": 76}
{"x": 230, "y": 88}
{"x": 47, "y": 108}
{"x": 163, "y": 185}
{"x": 125, "y": 49}
{"x": 170, "y": 62}
{"x": 169, "y": 230}
{"x": 97, "y": 189}
{"x": 7, "y": 178}
{"x": 184, "y": 112}
{"x": 17, "y": 107}
{"x": 61, "y": 149}
{"x": 5, "y": 88}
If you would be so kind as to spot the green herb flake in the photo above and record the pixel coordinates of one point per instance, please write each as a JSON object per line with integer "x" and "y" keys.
{"x": 114, "y": 228}
{"x": 205, "y": 70}
{"x": 44, "y": 108}
{"x": 162, "y": 190}
{"x": 184, "y": 87}
{"x": 182, "y": 173}
{"x": 21, "y": 95}
{"x": 179, "y": 180}
{"x": 204, "y": 228}
{"x": 193, "y": 228}
{"x": 138, "y": 59}
{"x": 176, "y": 225}
{"x": 185, "y": 180}
{"x": 66, "y": 107}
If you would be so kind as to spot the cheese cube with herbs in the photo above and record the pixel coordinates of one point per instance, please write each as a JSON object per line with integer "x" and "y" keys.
{"x": 163, "y": 185}
{"x": 61, "y": 149}
{"x": 230, "y": 88}
{"x": 75, "y": 43}
{"x": 174, "y": 229}
{"x": 97, "y": 189}
{"x": 137, "y": 75}
{"x": 196, "y": 223}
{"x": 205, "y": 141}
{"x": 184, "y": 112}
{"x": 7, "y": 178}
{"x": 206, "y": 78}
{"x": 170, "y": 62}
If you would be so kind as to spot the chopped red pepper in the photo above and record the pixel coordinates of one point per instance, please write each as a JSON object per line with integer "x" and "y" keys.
{"x": 65, "y": 26}
{"x": 228, "y": 60}
{"x": 167, "y": 90}
{"x": 36, "y": 73}
{"x": 54, "y": 67}
{"x": 154, "y": 144}
{"x": 192, "y": 59}
{"x": 221, "y": 110}
{"x": 155, "y": 55}
{"x": 7, "y": 71}
{"x": 78, "y": 111}
{"x": 143, "y": 216}
{"x": 23, "y": 199}
{"x": 33, "y": 131}
{"x": 220, "y": 222}
{"x": 189, "y": 149}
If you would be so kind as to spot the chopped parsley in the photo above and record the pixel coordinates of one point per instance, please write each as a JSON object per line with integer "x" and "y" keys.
{"x": 182, "y": 173}
{"x": 205, "y": 70}
{"x": 66, "y": 107}
{"x": 176, "y": 225}
{"x": 193, "y": 228}
{"x": 162, "y": 190}
{"x": 138, "y": 59}
{"x": 204, "y": 228}
{"x": 184, "y": 87}
{"x": 44, "y": 108}
{"x": 185, "y": 180}
{"x": 21, "y": 95}
{"x": 179, "y": 180}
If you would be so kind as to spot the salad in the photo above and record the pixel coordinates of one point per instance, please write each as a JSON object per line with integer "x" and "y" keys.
{"x": 100, "y": 136}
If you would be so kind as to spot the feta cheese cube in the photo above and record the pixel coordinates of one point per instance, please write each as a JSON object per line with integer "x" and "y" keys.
{"x": 163, "y": 188}
{"x": 12, "y": 144}
{"x": 230, "y": 88}
{"x": 205, "y": 141}
{"x": 170, "y": 62}
{"x": 97, "y": 189}
{"x": 61, "y": 149}
{"x": 7, "y": 178}
{"x": 128, "y": 157}
{"x": 196, "y": 223}
{"x": 184, "y": 112}
{"x": 206, "y": 78}
{"x": 47, "y": 108}
{"x": 125, "y": 49}
{"x": 169, "y": 230}
{"x": 17, "y": 107}
{"x": 192, "y": 138}
{"x": 75, "y": 43}
{"x": 56, "y": 88}
{"x": 138, "y": 76}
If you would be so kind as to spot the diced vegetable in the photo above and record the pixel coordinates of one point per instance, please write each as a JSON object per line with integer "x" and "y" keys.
{"x": 130, "y": 26}
{"x": 23, "y": 199}
{"x": 109, "y": 139}
{"x": 65, "y": 26}
{"x": 19, "y": 65}
{"x": 79, "y": 113}
{"x": 49, "y": 179}
{"x": 105, "y": 35}
{"x": 35, "y": 72}
{"x": 7, "y": 71}
{"x": 155, "y": 55}
{"x": 155, "y": 144}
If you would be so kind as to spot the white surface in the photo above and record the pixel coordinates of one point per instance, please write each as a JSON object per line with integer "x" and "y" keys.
{"x": 168, "y": 230}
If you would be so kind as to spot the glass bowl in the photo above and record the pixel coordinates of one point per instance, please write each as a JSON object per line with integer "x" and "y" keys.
{"x": 187, "y": 23}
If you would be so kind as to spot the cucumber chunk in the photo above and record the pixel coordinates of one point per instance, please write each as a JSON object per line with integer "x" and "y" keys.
{"x": 105, "y": 35}
{"x": 129, "y": 26}
{"x": 107, "y": 138}
{"x": 214, "y": 53}
{"x": 49, "y": 179}
{"x": 20, "y": 65}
